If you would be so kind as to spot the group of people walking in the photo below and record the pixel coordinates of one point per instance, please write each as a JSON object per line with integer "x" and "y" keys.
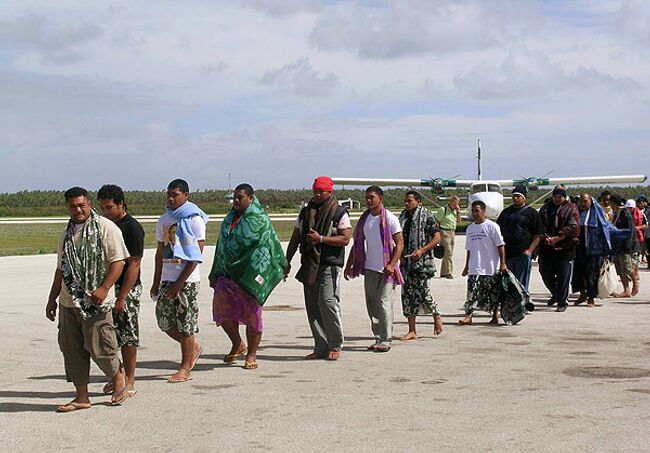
{"x": 97, "y": 253}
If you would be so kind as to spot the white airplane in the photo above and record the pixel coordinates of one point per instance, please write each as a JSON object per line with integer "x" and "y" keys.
{"x": 489, "y": 192}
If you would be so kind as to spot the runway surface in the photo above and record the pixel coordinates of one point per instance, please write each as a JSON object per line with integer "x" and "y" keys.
{"x": 572, "y": 381}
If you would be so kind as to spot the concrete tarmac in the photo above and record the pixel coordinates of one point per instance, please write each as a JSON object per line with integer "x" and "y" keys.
{"x": 572, "y": 381}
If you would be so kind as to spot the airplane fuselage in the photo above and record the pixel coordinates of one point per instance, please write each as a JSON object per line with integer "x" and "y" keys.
{"x": 490, "y": 193}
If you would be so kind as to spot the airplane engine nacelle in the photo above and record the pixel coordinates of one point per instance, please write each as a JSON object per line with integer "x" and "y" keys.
{"x": 437, "y": 188}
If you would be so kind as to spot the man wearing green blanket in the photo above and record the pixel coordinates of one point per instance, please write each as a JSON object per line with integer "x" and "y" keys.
{"x": 248, "y": 264}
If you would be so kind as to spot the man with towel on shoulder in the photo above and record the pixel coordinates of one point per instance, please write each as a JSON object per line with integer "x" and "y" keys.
{"x": 180, "y": 233}
{"x": 322, "y": 230}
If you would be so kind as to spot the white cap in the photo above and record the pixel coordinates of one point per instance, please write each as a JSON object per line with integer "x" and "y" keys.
{"x": 630, "y": 203}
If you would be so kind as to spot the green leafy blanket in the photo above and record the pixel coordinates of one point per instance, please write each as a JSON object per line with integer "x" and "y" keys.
{"x": 251, "y": 253}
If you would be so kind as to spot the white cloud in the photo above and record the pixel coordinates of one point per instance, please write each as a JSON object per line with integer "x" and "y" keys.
{"x": 284, "y": 7}
{"x": 397, "y": 29}
{"x": 57, "y": 43}
{"x": 524, "y": 74}
{"x": 300, "y": 79}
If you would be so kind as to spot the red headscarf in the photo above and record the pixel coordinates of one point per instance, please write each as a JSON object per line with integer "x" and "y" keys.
{"x": 323, "y": 183}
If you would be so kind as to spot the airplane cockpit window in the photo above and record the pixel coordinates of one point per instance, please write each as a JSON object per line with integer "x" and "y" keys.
{"x": 477, "y": 188}
{"x": 494, "y": 188}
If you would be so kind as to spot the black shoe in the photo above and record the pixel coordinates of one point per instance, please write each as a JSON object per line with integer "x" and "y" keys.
{"x": 560, "y": 308}
{"x": 551, "y": 302}
{"x": 530, "y": 306}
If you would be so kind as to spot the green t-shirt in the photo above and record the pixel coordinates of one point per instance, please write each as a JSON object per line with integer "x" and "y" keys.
{"x": 448, "y": 219}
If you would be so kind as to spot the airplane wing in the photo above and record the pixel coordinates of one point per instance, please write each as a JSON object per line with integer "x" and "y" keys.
{"x": 537, "y": 182}
{"x": 444, "y": 183}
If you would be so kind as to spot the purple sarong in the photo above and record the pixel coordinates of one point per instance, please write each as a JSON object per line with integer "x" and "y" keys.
{"x": 231, "y": 303}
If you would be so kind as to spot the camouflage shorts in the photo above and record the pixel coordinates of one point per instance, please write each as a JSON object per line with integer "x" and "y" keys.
{"x": 126, "y": 323}
{"x": 182, "y": 312}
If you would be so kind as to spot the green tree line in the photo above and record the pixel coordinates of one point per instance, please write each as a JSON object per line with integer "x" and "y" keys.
{"x": 43, "y": 203}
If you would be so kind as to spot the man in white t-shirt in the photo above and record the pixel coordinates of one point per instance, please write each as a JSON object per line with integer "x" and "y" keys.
{"x": 486, "y": 257}
{"x": 180, "y": 233}
{"x": 378, "y": 245}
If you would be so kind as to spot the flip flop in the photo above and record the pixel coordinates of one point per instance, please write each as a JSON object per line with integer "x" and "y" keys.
{"x": 121, "y": 396}
{"x": 371, "y": 347}
{"x": 108, "y": 388}
{"x": 73, "y": 406}
{"x": 382, "y": 348}
{"x": 173, "y": 380}
{"x": 250, "y": 365}
{"x": 196, "y": 357}
{"x": 132, "y": 392}
{"x": 230, "y": 358}
{"x": 333, "y": 355}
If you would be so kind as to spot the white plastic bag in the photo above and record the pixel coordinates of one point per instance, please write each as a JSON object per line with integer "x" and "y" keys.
{"x": 607, "y": 280}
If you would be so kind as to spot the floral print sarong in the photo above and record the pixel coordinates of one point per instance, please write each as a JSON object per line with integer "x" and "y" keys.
{"x": 483, "y": 292}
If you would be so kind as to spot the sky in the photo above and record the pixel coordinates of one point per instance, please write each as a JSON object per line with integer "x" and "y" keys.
{"x": 275, "y": 93}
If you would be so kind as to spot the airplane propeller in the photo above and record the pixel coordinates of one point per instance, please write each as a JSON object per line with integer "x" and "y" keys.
{"x": 438, "y": 185}
{"x": 533, "y": 182}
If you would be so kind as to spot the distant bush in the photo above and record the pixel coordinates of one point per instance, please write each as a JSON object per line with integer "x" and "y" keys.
{"x": 39, "y": 203}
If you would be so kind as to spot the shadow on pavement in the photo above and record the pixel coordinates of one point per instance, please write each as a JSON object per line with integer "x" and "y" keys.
{"x": 26, "y": 407}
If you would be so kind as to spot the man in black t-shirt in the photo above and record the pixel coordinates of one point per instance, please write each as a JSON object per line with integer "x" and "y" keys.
{"x": 128, "y": 287}
{"x": 521, "y": 227}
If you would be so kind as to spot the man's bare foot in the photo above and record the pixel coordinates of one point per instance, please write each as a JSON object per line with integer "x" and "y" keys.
{"x": 182, "y": 375}
{"x": 581, "y": 299}
{"x": 591, "y": 303}
{"x": 635, "y": 290}
{"x": 466, "y": 321}
{"x": 409, "y": 336}
{"x": 623, "y": 294}
{"x": 437, "y": 325}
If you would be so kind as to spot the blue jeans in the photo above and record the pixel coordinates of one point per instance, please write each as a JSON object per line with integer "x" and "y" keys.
{"x": 520, "y": 266}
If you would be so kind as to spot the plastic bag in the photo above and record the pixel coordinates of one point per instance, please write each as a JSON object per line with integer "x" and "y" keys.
{"x": 607, "y": 280}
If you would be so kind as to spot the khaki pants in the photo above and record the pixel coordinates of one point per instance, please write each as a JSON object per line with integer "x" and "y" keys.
{"x": 82, "y": 339}
{"x": 447, "y": 241}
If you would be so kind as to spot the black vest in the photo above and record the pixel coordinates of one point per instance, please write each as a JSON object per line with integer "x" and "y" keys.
{"x": 330, "y": 256}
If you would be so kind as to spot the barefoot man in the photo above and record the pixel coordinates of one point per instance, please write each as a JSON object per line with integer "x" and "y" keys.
{"x": 180, "y": 233}
{"x": 485, "y": 251}
{"x": 90, "y": 258}
{"x": 421, "y": 235}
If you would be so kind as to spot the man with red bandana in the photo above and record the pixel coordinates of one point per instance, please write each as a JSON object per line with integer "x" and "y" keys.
{"x": 322, "y": 230}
